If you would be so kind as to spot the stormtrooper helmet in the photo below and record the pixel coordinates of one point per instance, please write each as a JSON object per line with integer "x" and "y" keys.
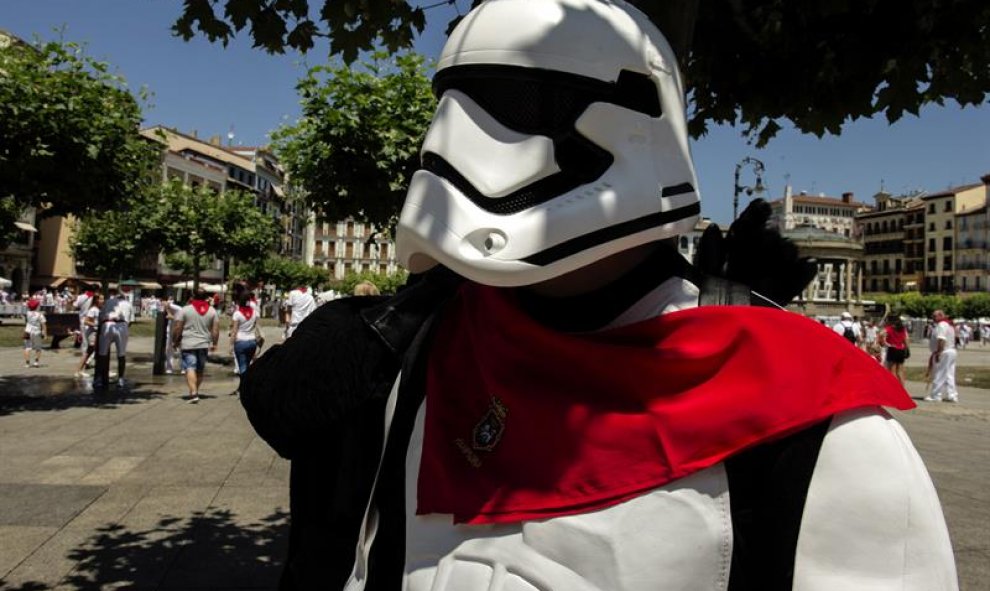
{"x": 559, "y": 139}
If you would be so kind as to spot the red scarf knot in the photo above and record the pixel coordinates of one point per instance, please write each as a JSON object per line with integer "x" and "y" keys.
{"x": 246, "y": 311}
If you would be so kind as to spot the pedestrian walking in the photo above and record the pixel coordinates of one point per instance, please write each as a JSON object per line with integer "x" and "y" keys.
{"x": 849, "y": 329}
{"x": 195, "y": 333}
{"x": 90, "y": 326}
{"x": 943, "y": 360}
{"x": 895, "y": 338}
{"x": 298, "y": 306}
{"x": 243, "y": 334}
{"x": 171, "y": 311}
{"x": 116, "y": 315}
{"x": 35, "y": 332}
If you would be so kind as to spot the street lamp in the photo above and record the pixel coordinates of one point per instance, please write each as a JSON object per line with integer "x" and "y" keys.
{"x": 758, "y": 188}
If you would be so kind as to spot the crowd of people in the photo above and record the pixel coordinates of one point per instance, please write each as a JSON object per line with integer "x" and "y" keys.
{"x": 193, "y": 326}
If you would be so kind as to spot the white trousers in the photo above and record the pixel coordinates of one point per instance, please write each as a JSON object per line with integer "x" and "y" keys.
{"x": 115, "y": 332}
{"x": 945, "y": 376}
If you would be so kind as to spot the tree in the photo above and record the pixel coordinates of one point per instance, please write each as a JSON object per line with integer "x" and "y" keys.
{"x": 356, "y": 145}
{"x": 755, "y": 62}
{"x": 69, "y": 141}
{"x": 281, "y": 272}
{"x": 201, "y": 224}
{"x": 109, "y": 245}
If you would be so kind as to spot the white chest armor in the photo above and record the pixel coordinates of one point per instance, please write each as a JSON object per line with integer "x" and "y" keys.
{"x": 680, "y": 534}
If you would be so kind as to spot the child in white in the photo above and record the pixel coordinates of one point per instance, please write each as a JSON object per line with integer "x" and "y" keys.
{"x": 35, "y": 331}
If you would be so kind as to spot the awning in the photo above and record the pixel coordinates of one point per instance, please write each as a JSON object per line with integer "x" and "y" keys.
{"x": 150, "y": 285}
{"x": 26, "y": 226}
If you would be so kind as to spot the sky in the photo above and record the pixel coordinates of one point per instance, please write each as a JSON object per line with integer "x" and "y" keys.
{"x": 213, "y": 90}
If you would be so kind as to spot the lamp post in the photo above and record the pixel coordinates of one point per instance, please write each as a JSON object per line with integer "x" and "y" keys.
{"x": 758, "y": 188}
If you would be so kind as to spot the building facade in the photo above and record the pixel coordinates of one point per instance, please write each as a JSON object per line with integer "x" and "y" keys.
{"x": 17, "y": 258}
{"x": 892, "y": 243}
{"x": 838, "y": 286}
{"x": 350, "y": 246}
{"x": 941, "y": 210}
{"x": 832, "y": 214}
{"x": 973, "y": 245}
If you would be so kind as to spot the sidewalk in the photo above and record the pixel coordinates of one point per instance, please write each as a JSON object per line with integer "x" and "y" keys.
{"x": 141, "y": 490}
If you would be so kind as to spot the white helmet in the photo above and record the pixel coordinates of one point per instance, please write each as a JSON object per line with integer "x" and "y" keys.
{"x": 559, "y": 139}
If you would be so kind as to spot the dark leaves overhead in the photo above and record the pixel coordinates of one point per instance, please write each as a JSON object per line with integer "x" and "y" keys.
{"x": 750, "y": 62}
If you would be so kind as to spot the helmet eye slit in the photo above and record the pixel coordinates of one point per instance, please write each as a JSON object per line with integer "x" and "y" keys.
{"x": 542, "y": 102}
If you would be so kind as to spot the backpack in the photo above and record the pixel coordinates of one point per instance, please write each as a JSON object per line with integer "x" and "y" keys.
{"x": 849, "y": 334}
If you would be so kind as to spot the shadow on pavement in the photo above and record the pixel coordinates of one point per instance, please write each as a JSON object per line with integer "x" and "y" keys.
{"x": 208, "y": 550}
{"x": 39, "y": 393}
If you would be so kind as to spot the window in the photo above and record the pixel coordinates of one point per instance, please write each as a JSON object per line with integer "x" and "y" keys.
{"x": 947, "y": 263}
{"x": 897, "y": 266}
{"x": 947, "y": 243}
{"x": 948, "y": 205}
{"x": 948, "y": 224}
{"x": 931, "y": 208}
{"x": 886, "y": 266}
{"x": 873, "y": 267}
{"x": 931, "y": 264}
{"x": 931, "y": 227}
{"x": 684, "y": 243}
{"x": 931, "y": 245}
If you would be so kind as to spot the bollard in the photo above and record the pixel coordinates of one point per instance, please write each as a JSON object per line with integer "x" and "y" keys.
{"x": 161, "y": 323}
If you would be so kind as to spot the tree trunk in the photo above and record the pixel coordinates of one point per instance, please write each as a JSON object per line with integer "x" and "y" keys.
{"x": 196, "y": 270}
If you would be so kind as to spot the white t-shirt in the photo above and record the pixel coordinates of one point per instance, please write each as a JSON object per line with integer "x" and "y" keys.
{"x": 840, "y": 327}
{"x": 943, "y": 331}
{"x": 82, "y": 303}
{"x": 94, "y": 313}
{"x": 34, "y": 322}
{"x": 302, "y": 305}
{"x": 245, "y": 326}
{"x": 122, "y": 311}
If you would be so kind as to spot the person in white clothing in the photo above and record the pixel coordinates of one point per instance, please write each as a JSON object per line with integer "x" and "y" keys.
{"x": 91, "y": 324}
{"x": 942, "y": 363}
{"x": 849, "y": 329}
{"x": 171, "y": 311}
{"x": 298, "y": 305}
{"x": 35, "y": 331}
{"x": 115, "y": 317}
{"x": 81, "y": 305}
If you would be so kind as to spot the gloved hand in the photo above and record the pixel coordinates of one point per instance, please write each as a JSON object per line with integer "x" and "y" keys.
{"x": 756, "y": 256}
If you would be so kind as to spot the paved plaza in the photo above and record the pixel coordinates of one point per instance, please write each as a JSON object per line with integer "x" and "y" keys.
{"x": 138, "y": 489}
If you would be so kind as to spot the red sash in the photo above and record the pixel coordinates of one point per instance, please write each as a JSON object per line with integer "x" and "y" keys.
{"x": 523, "y": 422}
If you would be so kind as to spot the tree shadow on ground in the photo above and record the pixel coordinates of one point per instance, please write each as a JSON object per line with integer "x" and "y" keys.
{"x": 22, "y": 393}
{"x": 209, "y": 550}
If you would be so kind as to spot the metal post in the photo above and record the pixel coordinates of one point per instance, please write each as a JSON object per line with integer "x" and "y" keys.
{"x": 158, "y": 366}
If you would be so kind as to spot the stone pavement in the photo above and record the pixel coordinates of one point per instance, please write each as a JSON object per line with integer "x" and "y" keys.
{"x": 140, "y": 490}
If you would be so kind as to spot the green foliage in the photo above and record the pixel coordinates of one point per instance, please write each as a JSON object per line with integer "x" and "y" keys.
{"x": 10, "y": 211}
{"x": 386, "y": 284}
{"x": 110, "y": 244}
{"x": 757, "y": 63}
{"x": 282, "y": 272}
{"x": 201, "y": 224}
{"x": 357, "y": 143}
{"x": 917, "y": 305}
{"x": 69, "y": 141}
{"x": 976, "y": 306}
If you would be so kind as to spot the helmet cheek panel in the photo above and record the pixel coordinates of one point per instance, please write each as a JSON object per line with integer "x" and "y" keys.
{"x": 492, "y": 157}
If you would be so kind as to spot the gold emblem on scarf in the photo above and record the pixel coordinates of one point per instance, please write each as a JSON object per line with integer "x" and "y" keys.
{"x": 487, "y": 434}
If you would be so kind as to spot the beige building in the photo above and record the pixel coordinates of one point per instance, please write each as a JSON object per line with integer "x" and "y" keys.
{"x": 893, "y": 243}
{"x": 832, "y": 214}
{"x": 350, "y": 246}
{"x": 941, "y": 210}
{"x": 972, "y": 269}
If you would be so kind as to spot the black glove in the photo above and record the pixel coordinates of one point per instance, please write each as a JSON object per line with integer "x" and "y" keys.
{"x": 756, "y": 255}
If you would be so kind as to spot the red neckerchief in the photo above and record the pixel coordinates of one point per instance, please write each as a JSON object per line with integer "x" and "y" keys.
{"x": 89, "y": 294}
{"x": 302, "y": 289}
{"x": 201, "y": 306}
{"x": 523, "y": 422}
{"x": 247, "y": 311}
